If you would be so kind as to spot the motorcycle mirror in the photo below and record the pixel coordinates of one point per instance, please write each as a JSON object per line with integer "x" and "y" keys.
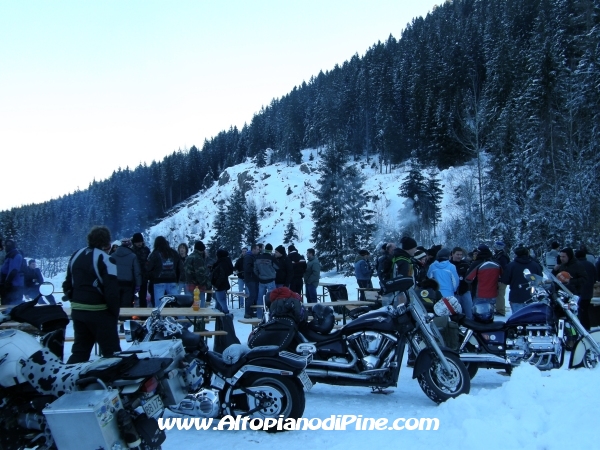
{"x": 526, "y": 272}
{"x": 46, "y": 288}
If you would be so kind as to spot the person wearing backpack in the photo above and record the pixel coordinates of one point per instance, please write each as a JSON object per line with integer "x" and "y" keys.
{"x": 12, "y": 276}
{"x": 129, "y": 273}
{"x": 221, "y": 270}
{"x": 164, "y": 265}
{"x": 265, "y": 268}
{"x": 92, "y": 288}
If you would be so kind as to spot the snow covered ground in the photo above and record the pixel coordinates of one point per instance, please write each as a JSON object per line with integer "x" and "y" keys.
{"x": 529, "y": 410}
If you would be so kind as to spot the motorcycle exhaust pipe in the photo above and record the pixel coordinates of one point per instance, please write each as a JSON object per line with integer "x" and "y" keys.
{"x": 475, "y": 358}
{"x": 333, "y": 373}
{"x": 349, "y": 365}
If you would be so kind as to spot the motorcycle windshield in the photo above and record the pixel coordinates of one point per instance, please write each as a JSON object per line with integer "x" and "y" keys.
{"x": 534, "y": 313}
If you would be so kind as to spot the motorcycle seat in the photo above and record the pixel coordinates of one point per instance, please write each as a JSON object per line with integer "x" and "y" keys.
{"x": 476, "y": 326}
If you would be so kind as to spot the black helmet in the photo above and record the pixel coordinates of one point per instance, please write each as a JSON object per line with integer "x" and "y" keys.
{"x": 483, "y": 312}
{"x": 323, "y": 319}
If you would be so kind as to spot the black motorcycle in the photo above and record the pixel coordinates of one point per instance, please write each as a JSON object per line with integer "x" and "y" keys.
{"x": 260, "y": 383}
{"x": 536, "y": 334}
{"x": 368, "y": 351}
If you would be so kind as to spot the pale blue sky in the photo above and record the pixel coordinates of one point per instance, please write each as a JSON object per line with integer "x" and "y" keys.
{"x": 88, "y": 86}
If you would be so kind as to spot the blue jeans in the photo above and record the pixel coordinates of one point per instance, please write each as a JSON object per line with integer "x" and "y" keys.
{"x": 221, "y": 301}
{"x": 514, "y": 307}
{"x": 311, "y": 293}
{"x": 466, "y": 303}
{"x": 263, "y": 289}
{"x": 252, "y": 287}
{"x": 161, "y": 289}
{"x": 242, "y": 288}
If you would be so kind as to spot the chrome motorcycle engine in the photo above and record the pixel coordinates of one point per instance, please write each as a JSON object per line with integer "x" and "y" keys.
{"x": 538, "y": 345}
{"x": 375, "y": 350}
{"x": 204, "y": 404}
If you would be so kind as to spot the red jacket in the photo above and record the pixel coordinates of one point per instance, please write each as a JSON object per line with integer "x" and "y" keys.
{"x": 486, "y": 275}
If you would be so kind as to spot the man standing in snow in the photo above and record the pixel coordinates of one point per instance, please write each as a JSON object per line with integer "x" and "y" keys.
{"x": 12, "y": 278}
{"x": 363, "y": 271}
{"x": 312, "y": 276}
{"x": 463, "y": 293}
{"x": 251, "y": 281}
{"x": 444, "y": 272}
{"x": 484, "y": 274}
{"x": 513, "y": 276}
{"x": 298, "y": 268}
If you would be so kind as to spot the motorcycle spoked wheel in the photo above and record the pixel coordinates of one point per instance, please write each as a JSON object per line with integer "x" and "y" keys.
{"x": 285, "y": 396}
{"x": 440, "y": 386}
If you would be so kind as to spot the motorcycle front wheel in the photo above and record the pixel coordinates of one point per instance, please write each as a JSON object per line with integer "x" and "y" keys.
{"x": 272, "y": 396}
{"x": 440, "y": 385}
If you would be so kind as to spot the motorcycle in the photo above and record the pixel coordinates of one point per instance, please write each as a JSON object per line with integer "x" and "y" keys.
{"x": 368, "y": 351}
{"x": 259, "y": 383}
{"x": 536, "y": 334}
{"x": 116, "y": 400}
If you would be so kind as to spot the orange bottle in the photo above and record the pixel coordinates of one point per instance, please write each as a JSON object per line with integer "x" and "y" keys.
{"x": 196, "y": 304}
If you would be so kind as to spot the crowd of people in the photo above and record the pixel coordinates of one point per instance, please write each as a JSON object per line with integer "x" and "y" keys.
{"x": 106, "y": 276}
{"x": 481, "y": 276}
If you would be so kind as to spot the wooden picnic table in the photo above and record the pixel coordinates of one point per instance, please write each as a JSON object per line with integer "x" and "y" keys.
{"x": 196, "y": 318}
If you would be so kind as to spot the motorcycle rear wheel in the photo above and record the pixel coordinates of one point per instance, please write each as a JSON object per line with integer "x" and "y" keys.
{"x": 290, "y": 405}
{"x": 440, "y": 386}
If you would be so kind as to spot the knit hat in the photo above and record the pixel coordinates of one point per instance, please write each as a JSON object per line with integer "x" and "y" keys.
{"x": 292, "y": 248}
{"x": 280, "y": 249}
{"x": 137, "y": 237}
{"x": 521, "y": 251}
{"x": 443, "y": 254}
{"x": 483, "y": 248}
{"x": 364, "y": 253}
{"x": 199, "y": 245}
{"x": 499, "y": 245}
{"x": 222, "y": 253}
{"x": 420, "y": 255}
{"x": 268, "y": 248}
{"x": 126, "y": 243}
{"x": 580, "y": 253}
{"x": 408, "y": 243}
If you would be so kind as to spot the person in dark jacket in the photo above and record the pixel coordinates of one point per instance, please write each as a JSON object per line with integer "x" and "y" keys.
{"x": 164, "y": 265}
{"x": 569, "y": 264}
{"x": 92, "y": 288}
{"x": 33, "y": 279}
{"x": 12, "y": 278}
{"x": 251, "y": 281}
{"x": 587, "y": 290}
{"x": 463, "y": 293}
{"x": 238, "y": 270}
{"x": 141, "y": 252}
{"x": 513, "y": 277}
{"x": 221, "y": 270}
{"x": 196, "y": 272}
{"x": 499, "y": 254}
{"x": 284, "y": 270}
{"x": 129, "y": 273}
{"x": 312, "y": 275}
{"x": 265, "y": 268}
{"x": 363, "y": 271}
{"x": 298, "y": 268}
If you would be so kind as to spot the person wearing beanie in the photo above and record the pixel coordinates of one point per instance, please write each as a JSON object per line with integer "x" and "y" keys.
{"x": 569, "y": 264}
{"x": 484, "y": 275}
{"x": 363, "y": 271}
{"x": 265, "y": 268}
{"x": 142, "y": 252}
{"x": 513, "y": 277}
{"x": 196, "y": 273}
{"x": 284, "y": 270}
{"x": 12, "y": 279}
{"x": 298, "y": 269}
{"x": 221, "y": 270}
{"x": 444, "y": 272}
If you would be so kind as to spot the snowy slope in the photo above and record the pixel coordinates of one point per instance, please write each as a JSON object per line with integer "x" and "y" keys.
{"x": 268, "y": 187}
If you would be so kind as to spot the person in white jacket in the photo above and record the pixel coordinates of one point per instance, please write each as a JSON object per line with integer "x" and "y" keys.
{"x": 444, "y": 272}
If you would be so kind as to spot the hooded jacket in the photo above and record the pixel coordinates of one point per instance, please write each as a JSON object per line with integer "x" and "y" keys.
{"x": 444, "y": 272}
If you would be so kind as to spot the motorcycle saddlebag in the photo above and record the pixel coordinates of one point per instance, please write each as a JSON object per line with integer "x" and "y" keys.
{"x": 278, "y": 331}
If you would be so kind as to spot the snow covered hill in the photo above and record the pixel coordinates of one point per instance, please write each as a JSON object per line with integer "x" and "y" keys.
{"x": 268, "y": 187}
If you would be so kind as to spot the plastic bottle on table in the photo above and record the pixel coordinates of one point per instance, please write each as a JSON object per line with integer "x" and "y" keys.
{"x": 196, "y": 304}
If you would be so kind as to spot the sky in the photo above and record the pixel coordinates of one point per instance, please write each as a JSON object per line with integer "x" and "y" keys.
{"x": 88, "y": 87}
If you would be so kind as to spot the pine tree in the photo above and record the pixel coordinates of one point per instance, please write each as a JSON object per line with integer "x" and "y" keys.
{"x": 252, "y": 232}
{"x": 237, "y": 217}
{"x": 290, "y": 233}
{"x": 218, "y": 239}
{"x": 261, "y": 158}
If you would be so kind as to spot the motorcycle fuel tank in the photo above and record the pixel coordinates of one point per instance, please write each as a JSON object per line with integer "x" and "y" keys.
{"x": 534, "y": 313}
{"x": 378, "y": 320}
